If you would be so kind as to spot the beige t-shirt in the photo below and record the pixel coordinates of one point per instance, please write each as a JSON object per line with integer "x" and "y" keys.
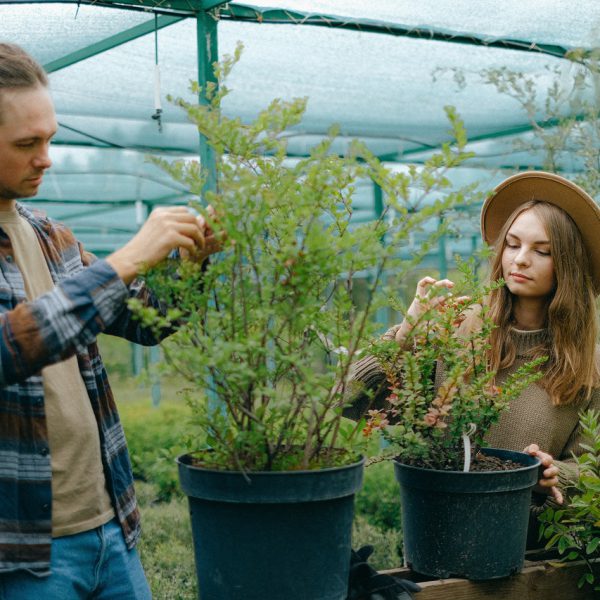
{"x": 80, "y": 500}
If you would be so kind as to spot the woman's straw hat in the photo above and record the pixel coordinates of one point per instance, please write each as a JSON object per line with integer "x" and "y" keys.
{"x": 551, "y": 188}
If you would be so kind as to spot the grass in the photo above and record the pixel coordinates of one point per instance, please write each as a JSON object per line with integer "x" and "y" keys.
{"x": 166, "y": 549}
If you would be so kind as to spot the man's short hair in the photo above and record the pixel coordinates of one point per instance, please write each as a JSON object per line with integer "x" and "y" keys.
{"x": 19, "y": 70}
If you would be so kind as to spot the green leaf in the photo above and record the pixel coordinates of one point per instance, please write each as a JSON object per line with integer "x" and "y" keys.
{"x": 592, "y": 546}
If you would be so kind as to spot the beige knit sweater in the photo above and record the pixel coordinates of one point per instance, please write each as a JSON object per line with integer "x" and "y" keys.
{"x": 531, "y": 418}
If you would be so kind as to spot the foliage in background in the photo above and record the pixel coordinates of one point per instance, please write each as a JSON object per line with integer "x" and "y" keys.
{"x": 270, "y": 325}
{"x": 155, "y": 437}
{"x": 575, "y": 528}
{"x": 117, "y": 357}
{"x": 425, "y": 424}
{"x": 387, "y": 543}
{"x": 378, "y": 501}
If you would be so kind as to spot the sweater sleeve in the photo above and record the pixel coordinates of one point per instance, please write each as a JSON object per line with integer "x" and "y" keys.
{"x": 366, "y": 386}
{"x": 568, "y": 470}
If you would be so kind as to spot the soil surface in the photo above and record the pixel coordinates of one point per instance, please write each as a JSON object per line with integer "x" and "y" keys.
{"x": 484, "y": 462}
{"x": 481, "y": 462}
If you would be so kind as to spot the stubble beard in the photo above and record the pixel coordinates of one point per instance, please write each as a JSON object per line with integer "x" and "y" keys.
{"x": 12, "y": 194}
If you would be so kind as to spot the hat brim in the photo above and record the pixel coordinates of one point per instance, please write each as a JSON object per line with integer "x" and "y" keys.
{"x": 551, "y": 188}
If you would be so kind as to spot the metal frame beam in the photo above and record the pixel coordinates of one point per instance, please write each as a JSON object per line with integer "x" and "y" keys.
{"x": 249, "y": 13}
{"x": 122, "y": 202}
{"x": 241, "y": 12}
{"x": 547, "y": 124}
{"x": 110, "y": 42}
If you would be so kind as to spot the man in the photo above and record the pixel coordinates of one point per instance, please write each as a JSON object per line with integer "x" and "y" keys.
{"x": 68, "y": 514}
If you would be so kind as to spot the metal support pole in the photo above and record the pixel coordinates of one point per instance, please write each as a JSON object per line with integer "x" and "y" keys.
{"x": 381, "y": 315}
{"x": 154, "y": 360}
{"x": 208, "y": 54}
{"x": 137, "y": 351}
{"x": 137, "y": 358}
{"x": 442, "y": 254}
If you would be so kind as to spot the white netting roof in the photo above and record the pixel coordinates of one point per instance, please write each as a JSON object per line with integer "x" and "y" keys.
{"x": 383, "y": 70}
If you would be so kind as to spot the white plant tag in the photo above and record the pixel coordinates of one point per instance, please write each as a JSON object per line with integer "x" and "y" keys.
{"x": 466, "y": 438}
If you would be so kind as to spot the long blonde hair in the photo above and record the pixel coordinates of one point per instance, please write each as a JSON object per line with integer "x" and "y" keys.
{"x": 571, "y": 371}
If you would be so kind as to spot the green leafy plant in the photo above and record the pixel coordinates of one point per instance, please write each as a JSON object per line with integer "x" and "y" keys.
{"x": 425, "y": 423}
{"x": 574, "y": 530}
{"x": 269, "y": 326}
{"x": 155, "y": 436}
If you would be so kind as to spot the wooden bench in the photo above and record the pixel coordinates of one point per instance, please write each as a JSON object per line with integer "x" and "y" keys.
{"x": 539, "y": 580}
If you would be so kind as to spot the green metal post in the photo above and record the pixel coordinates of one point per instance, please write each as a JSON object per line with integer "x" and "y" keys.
{"x": 154, "y": 360}
{"x": 208, "y": 54}
{"x": 442, "y": 254}
{"x": 137, "y": 351}
{"x": 381, "y": 315}
{"x": 377, "y": 200}
{"x": 137, "y": 358}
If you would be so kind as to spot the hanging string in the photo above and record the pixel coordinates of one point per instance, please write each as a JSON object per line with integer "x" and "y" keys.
{"x": 157, "y": 116}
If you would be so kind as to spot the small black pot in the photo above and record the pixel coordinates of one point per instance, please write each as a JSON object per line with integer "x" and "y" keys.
{"x": 471, "y": 525}
{"x": 273, "y": 535}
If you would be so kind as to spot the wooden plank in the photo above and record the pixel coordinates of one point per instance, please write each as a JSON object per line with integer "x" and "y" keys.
{"x": 537, "y": 581}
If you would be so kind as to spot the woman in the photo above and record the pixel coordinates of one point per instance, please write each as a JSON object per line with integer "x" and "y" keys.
{"x": 545, "y": 232}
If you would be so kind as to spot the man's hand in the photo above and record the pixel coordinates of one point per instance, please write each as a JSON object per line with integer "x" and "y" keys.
{"x": 210, "y": 244}
{"x": 165, "y": 229}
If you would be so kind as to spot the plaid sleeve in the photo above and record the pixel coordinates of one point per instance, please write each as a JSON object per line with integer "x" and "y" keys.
{"x": 59, "y": 323}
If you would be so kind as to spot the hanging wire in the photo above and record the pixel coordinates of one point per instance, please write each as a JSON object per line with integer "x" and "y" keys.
{"x": 157, "y": 116}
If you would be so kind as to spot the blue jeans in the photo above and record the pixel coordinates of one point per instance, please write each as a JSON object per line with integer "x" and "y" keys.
{"x": 94, "y": 564}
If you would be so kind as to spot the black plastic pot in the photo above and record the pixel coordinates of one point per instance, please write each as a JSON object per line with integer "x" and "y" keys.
{"x": 273, "y": 536}
{"x": 471, "y": 525}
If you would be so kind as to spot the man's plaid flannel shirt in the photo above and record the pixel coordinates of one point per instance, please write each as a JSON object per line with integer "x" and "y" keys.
{"x": 89, "y": 298}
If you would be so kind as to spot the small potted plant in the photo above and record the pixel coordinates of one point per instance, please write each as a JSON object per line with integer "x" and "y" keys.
{"x": 265, "y": 331}
{"x": 465, "y": 507}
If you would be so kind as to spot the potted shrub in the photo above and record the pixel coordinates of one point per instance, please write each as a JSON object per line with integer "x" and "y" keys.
{"x": 465, "y": 508}
{"x": 264, "y": 331}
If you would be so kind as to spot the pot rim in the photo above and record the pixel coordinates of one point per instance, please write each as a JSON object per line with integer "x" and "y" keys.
{"x": 181, "y": 460}
{"x": 536, "y": 464}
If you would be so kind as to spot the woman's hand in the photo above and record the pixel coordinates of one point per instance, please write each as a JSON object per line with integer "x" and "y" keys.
{"x": 549, "y": 481}
{"x": 427, "y": 296}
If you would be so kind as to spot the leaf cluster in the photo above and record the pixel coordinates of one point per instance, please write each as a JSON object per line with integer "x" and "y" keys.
{"x": 574, "y": 530}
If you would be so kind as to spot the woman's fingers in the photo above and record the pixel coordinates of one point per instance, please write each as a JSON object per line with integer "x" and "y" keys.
{"x": 430, "y": 282}
{"x": 557, "y": 495}
{"x": 428, "y": 296}
{"x": 549, "y": 481}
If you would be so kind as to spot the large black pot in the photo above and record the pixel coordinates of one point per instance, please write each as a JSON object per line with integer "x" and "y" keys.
{"x": 471, "y": 525}
{"x": 271, "y": 536}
